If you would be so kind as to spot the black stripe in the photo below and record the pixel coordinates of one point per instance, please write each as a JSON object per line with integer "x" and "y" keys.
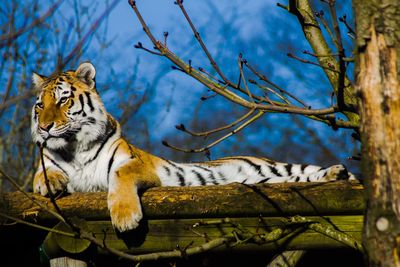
{"x": 222, "y": 176}
{"x": 200, "y": 177}
{"x": 131, "y": 152}
{"x": 203, "y": 168}
{"x": 91, "y": 120}
{"x": 210, "y": 175}
{"x": 297, "y": 179}
{"x": 82, "y": 105}
{"x": 274, "y": 171}
{"x": 303, "y": 167}
{"x": 308, "y": 179}
{"x": 212, "y": 178}
{"x": 264, "y": 180}
{"x": 167, "y": 170}
{"x": 110, "y": 162}
{"x": 176, "y": 166}
{"x": 71, "y": 103}
{"x": 288, "y": 168}
{"x": 56, "y": 164}
{"x": 113, "y": 131}
{"x": 324, "y": 173}
{"x": 73, "y": 88}
{"x": 269, "y": 161}
{"x": 181, "y": 179}
{"x": 89, "y": 101}
{"x": 255, "y": 166}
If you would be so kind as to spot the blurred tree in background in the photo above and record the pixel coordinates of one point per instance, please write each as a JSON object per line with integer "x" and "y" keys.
{"x": 38, "y": 36}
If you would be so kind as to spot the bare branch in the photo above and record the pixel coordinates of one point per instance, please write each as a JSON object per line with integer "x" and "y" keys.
{"x": 203, "y": 46}
{"x": 6, "y": 39}
{"x": 52, "y": 230}
{"x": 74, "y": 52}
{"x": 330, "y": 67}
{"x": 181, "y": 127}
{"x": 238, "y": 129}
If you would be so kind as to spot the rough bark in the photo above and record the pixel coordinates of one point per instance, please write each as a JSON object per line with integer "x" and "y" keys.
{"x": 377, "y": 75}
{"x": 233, "y": 200}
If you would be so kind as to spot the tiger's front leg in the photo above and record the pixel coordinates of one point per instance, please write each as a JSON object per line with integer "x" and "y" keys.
{"x": 123, "y": 199}
{"x": 57, "y": 181}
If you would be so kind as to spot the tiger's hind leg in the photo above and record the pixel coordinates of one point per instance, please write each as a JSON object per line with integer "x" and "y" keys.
{"x": 337, "y": 172}
{"x": 333, "y": 173}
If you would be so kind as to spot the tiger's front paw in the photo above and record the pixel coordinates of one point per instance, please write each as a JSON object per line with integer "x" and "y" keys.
{"x": 125, "y": 214}
{"x": 57, "y": 181}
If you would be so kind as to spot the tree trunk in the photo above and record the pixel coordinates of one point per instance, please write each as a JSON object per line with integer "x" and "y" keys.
{"x": 377, "y": 84}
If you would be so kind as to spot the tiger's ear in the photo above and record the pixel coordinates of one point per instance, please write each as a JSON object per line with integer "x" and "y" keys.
{"x": 37, "y": 79}
{"x": 86, "y": 73}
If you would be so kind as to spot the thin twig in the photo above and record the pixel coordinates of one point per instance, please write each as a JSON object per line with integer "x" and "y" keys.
{"x": 350, "y": 30}
{"x": 342, "y": 66}
{"x": 266, "y": 88}
{"x": 238, "y": 129}
{"x": 61, "y": 65}
{"x": 41, "y": 205}
{"x": 240, "y": 64}
{"x": 210, "y": 75}
{"x": 53, "y": 197}
{"x": 203, "y": 46}
{"x": 181, "y": 127}
{"x": 312, "y": 63}
{"x": 6, "y": 39}
{"x": 36, "y": 225}
{"x": 265, "y": 79}
{"x": 140, "y": 46}
{"x": 320, "y": 15}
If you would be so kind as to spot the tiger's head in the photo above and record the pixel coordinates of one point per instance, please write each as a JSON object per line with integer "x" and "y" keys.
{"x": 68, "y": 108}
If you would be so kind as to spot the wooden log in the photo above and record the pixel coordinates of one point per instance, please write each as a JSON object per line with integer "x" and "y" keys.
{"x": 233, "y": 200}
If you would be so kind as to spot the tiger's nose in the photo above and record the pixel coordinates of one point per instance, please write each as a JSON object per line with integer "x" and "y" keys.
{"x": 46, "y": 126}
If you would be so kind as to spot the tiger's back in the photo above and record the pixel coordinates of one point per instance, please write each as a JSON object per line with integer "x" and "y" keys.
{"x": 84, "y": 151}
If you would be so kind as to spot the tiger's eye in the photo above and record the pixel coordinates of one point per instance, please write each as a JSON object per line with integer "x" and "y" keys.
{"x": 39, "y": 105}
{"x": 63, "y": 100}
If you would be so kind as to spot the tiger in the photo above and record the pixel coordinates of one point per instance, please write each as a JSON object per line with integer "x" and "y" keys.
{"x": 84, "y": 151}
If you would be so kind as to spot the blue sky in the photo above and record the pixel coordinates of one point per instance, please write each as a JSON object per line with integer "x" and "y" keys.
{"x": 263, "y": 32}
{"x": 259, "y": 29}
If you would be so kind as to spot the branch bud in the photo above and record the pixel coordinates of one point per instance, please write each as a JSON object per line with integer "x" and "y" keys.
{"x": 165, "y": 143}
{"x": 138, "y": 45}
{"x": 180, "y": 127}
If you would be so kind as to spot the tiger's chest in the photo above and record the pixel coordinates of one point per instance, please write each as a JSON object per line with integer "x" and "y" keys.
{"x": 85, "y": 173}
